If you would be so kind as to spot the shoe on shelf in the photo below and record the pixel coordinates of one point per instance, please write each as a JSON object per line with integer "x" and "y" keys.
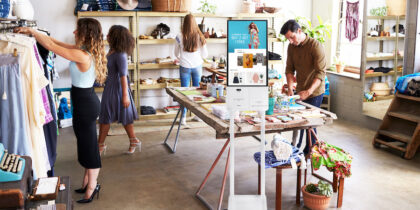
{"x": 81, "y": 190}
{"x": 96, "y": 191}
{"x": 197, "y": 119}
{"x": 134, "y": 143}
{"x": 102, "y": 148}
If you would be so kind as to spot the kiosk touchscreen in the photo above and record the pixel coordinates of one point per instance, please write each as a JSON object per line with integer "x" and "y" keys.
{"x": 247, "y": 65}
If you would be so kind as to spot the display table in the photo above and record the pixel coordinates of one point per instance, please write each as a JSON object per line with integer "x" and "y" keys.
{"x": 241, "y": 130}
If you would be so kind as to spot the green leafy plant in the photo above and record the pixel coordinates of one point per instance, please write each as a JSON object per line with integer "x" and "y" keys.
{"x": 338, "y": 61}
{"x": 379, "y": 11}
{"x": 320, "y": 32}
{"x": 322, "y": 188}
{"x": 325, "y": 188}
{"x": 207, "y": 7}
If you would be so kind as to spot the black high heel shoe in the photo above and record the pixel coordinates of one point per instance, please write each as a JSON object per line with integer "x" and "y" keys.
{"x": 96, "y": 191}
{"x": 81, "y": 190}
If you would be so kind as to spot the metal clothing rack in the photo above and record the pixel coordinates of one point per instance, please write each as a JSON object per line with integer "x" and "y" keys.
{"x": 7, "y": 25}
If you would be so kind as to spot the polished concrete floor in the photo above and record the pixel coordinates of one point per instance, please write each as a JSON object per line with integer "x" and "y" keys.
{"x": 157, "y": 179}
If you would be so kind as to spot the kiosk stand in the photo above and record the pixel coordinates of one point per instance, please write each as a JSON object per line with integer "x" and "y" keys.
{"x": 247, "y": 91}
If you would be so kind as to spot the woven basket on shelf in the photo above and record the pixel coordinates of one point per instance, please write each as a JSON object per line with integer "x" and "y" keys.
{"x": 171, "y": 5}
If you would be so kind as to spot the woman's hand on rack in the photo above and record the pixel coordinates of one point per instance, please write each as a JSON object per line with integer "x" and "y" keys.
{"x": 24, "y": 30}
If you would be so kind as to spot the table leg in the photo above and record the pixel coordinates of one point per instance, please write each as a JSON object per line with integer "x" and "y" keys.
{"x": 278, "y": 188}
{"x": 334, "y": 185}
{"x": 173, "y": 149}
{"x": 219, "y": 207}
{"x": 197, "y": 194}
{"x": 340, "y": 192}
{"x": 298, "y": 186}
{"x": 259, "y": 179}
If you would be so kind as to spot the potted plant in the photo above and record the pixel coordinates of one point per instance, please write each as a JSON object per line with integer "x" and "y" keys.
{"x": 206, "y": 8}
{"x": 317, "y": 196}
{"x": 339, "y": 64}
{"x": 320, "y": 32}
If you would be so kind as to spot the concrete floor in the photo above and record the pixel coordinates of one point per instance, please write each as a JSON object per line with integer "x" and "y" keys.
{"x": 157, "y": 179}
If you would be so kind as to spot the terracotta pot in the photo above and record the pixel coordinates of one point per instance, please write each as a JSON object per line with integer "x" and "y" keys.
{"x": 340, "y": 68}
{"x": 315, "y": 202}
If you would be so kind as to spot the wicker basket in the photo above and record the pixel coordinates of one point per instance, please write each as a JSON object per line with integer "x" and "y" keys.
{"x": 396, "y": 7}
{"x": 315, "y": 202}
{"x": 381, "y": 89}
{"x": 171, "y": 5}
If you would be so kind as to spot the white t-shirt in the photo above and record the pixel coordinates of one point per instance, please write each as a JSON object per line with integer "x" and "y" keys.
{"x": 189, "y": 59}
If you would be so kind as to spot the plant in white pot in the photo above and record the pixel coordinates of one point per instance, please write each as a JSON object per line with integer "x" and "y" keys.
{"x": 317, "y": 196}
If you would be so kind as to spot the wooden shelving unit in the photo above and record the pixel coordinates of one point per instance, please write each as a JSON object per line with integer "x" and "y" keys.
{"x": 136, "y": 67}
{"x": 158, "y": 86}
{"x": 400, "y": 128}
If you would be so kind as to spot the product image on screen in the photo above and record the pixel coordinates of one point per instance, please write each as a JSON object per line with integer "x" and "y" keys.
{"x": 247, "y": 53}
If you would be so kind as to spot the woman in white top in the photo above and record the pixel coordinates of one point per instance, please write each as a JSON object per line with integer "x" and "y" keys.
{"x": 190, "y": 49}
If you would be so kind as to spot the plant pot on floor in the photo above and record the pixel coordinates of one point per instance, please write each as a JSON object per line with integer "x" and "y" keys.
{"x": 313, "y": 201}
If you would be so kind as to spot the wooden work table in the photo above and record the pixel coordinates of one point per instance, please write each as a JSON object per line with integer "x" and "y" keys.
{"x": 245, "y": 129}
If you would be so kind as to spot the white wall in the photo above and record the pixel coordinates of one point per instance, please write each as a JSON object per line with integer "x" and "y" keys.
{"x": 58, "y": 18}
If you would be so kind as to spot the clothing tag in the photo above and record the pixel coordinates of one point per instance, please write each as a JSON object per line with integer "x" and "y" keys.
{"x": 84, "y": 7}
{"x": 4, "y": 97}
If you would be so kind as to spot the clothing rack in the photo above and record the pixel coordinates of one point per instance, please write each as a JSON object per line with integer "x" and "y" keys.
{"x": 7, "y": 25}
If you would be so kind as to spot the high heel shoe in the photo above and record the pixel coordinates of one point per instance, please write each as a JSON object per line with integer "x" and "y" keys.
{"x": 102, "y": 148}
{"x": 81, "y": 190}
{"x": 96, "y": 191}
{"x": 134, "y": 143}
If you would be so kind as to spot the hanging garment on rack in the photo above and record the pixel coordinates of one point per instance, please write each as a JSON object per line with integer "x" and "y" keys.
{"x": 13, "y": 133}
{"x": 33, "y": 80}
{"x": 352, "y": 20}
{"x": 48, "y": 116}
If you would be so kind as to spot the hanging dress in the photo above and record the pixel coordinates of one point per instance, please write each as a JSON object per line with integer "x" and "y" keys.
{"x": 352, "y": 20}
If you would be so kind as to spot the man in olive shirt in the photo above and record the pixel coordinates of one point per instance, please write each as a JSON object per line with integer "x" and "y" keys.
{"x": 306, "y": 58}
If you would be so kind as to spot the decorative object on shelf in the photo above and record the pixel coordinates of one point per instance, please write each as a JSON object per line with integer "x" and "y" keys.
{"x": 23, "y": 9}
{"x": 164, "y": 60}
{"x": 145, "y": 37}
{"x": 317, "y": 196}
{"x": 206, "y": 7}
{"x": 339, "y": 64}
{"x": 272, "y": 9}
{"x": 396, "y": 7}
{"x": 378, "y": 11}
{"x": 171, "y": 5}
{"x": 380, "y": 89}
{"x": 401, "y": 29}
{"x": 271, "y": 32}
{"x": 160, "y": 31}
{"x": 248, "y": 6}
{"x": 147, "y": 110}
{"x": 320, "y": 32}
{"x": 127, "y": 4}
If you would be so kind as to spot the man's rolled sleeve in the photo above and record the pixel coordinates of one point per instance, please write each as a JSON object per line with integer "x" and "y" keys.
{"x": 320, "y": 64}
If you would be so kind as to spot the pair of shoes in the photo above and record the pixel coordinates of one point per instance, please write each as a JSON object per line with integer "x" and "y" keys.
{"x": 81, "y": 190}
{"x": 102, "y": 148}
{"x": 96, "y": 191}
{"x": 197, "y": 119}
{"x": 134, "y": 143}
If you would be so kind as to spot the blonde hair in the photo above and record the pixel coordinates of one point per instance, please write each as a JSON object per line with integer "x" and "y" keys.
{"x": 191, "y": 34}
{"x": 90, "y": 38}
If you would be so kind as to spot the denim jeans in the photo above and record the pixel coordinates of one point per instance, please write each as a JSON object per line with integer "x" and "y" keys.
{"x": 186, "y": 74}
{"x": 315, "y": 101}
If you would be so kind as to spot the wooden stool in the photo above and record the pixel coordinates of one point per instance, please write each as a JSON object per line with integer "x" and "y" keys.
{"x": 279, "y": 181}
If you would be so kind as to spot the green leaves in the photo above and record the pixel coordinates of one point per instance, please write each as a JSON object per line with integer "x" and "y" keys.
{"x": 325, "y": 188}
{"x": 320, "y": 32}
{"x": 207, "y": 7}
{"x": 379, "y": 11}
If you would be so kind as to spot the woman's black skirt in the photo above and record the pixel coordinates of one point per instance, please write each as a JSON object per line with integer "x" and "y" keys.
{"x": 86, "y": 108}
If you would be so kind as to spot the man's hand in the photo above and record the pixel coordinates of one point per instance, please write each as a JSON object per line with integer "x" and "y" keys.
{"x": 125, "y": 101}
{"x": 305, "y": 94}
{"x": 289, "y": 91}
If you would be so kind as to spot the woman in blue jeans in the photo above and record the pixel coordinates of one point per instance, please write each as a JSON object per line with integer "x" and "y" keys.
{"x": 190, "y": 49}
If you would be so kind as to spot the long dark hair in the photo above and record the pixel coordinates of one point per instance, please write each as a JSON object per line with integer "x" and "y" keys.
{"x": 90, "y": 37}
{"x": 191, "y": 34}
{"x": 120, "y": 39}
